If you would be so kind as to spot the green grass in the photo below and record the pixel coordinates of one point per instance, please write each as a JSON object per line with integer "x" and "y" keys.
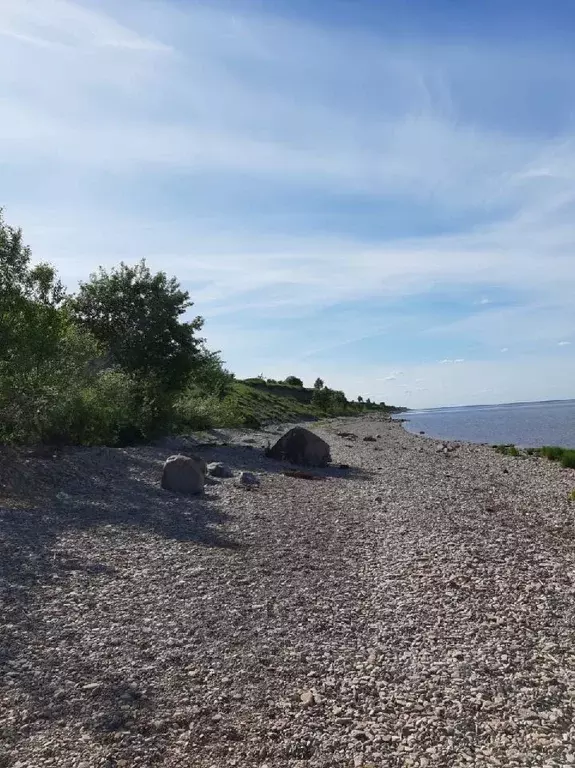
{"x": 555, "y": 453}
{"x": 249, "y": 404}
{"x": 566, "y": 456}
{"x": 507, "y": 450}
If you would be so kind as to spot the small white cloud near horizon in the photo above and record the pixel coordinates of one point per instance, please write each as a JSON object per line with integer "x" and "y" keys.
{"x": 504, "y": 349}
{"x": 448, "y": 361}
{"x": 563, "y": 343}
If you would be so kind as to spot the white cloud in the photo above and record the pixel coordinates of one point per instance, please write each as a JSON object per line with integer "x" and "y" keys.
{"x": 563, "y": 343}
{"x": 504, "y": 349}
{"x": 136, "y": 96}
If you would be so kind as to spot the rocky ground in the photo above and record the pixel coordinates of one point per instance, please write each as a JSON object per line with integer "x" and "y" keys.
{"x": 416, "y": 609}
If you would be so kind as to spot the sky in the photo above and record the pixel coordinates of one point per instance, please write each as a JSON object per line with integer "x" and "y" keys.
{"x": 376, "y": 192}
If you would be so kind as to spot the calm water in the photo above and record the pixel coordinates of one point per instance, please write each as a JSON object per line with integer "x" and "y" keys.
{"x": 524, "y": 424}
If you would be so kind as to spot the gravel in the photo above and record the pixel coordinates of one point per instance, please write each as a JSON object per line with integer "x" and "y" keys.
{"x": 415, "y": 609}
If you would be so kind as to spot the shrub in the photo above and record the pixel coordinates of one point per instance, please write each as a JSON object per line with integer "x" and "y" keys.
{"x": 568, "y": 459}
{"x": 294, "y": 381}
{"x": 507, "y": 449}
{"x": 552, "y": 452}
{"x": 200, "y": 413}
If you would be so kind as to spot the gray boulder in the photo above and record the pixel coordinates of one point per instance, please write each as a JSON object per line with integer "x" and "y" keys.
{"x": 184, "y": 474}
{"x": 219, "y": 469}
{"x": 249, "y": 480}
{"x": 300, "y": 446}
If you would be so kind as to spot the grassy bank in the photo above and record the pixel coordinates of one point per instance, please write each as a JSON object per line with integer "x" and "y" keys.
{"x": 565, "y": 456}
{"x": 252, "y": 403}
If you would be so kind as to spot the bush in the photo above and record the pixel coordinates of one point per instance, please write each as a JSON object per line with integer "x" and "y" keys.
{"x": 293, "y": 381}
{"x": 552, "y": 452}
{"x": 200, "y": 413}
{"x": 555, "y": 453}
{"x": 507, "y": 449}
{"x": 208, "y": 376}
{"x": 568, "y": 459}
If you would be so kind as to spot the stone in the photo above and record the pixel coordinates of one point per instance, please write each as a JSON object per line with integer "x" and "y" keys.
{"x": 201, "y": 463}
{"x": 369, "y": 439}
{"x": 300, "y": 446}
{"x": 307, "y": 698}
{"x": 249, "y": 479}
{"x": 219, "y": 469}
{"x": 184, "y": 474}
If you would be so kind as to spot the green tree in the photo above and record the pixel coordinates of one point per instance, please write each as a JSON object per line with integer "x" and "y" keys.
{"x": 329, "y": 400}
{"x": 359, "y": 399}
{"x": 294, "y": 381}
{"x": 318, "y": 383}
{"x": 44, "y": 358}
{"x": 136, "y": 316}
{"x": 208, "y": 374}
{"x": 30, "y": 296}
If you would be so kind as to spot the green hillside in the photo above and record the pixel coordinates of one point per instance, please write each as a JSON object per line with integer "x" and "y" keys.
{"x": 260, "y": 402}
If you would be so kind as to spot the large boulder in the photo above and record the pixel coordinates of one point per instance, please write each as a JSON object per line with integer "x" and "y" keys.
{"x": 300, "y": 446}
{"x": 184, "y": 474}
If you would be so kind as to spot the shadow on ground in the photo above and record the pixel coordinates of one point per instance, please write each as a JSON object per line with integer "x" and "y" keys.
{"x": 45, "y": 493}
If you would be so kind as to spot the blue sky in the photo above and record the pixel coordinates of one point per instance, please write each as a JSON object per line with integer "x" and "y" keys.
{"x": 378, "y": 193}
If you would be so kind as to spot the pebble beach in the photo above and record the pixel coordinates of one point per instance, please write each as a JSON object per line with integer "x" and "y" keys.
{"x": 409, "y": 606}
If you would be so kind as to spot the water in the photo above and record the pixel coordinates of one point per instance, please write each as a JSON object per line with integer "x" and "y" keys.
{"x": 523, "y": 424}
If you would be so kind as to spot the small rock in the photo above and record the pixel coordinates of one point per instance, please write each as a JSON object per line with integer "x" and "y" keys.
{"x": 219, "y": 469}
{"x": 307, "y": 698}
{"x": 369, "y": 439}
{"x": 249, "y": 480}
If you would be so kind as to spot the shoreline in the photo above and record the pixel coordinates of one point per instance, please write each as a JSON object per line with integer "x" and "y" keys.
{"x": 414, "y": 609}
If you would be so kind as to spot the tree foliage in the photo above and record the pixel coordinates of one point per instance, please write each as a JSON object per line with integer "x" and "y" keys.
{"x": 136, "y": 316}
{"x": 318, "y": 383}
{"x": 294, "y": 381}
{"x": 329, "y": 400}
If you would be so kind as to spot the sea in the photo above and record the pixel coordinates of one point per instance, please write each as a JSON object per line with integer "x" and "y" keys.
{"x": 527, "y": 425}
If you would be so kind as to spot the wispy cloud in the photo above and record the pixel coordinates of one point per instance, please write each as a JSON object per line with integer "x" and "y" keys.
{"x": 563, "y": 343}
{"x": 287, "y": 188}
